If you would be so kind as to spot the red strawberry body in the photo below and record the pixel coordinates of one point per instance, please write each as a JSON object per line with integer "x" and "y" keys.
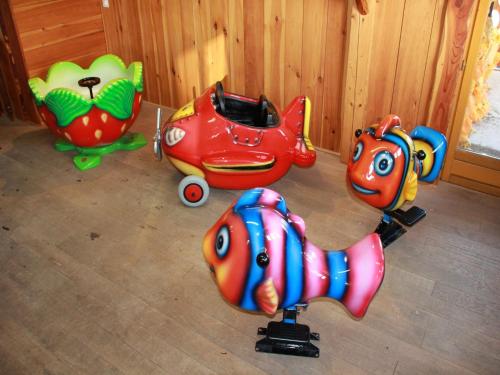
{"x": 95, "y": 128}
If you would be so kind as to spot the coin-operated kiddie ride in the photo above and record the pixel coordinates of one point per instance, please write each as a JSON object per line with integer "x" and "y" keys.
{"x": 385, "y": 166}
{"x": 229, "y": 141}
{"x": 91, "y": 110}
{"x": 262, "y": 261}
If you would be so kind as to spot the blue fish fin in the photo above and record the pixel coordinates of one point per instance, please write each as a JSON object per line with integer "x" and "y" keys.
{"x": 434, "y": 144}
{"x": 249, "y": 198}
{"x": 260, "y": 197}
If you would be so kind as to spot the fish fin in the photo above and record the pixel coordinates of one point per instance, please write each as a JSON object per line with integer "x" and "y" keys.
{"x": 411, "y": 187}
{"x": 248, "y": 199}
{"x": 261, "y": 197}
{"x": 299, "y": 223}
{"x": 267, "y": 297}
{"x": 434, "y": 144}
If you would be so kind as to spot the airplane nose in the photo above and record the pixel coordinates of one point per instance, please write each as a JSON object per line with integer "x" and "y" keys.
{"x": 174, "y": 135}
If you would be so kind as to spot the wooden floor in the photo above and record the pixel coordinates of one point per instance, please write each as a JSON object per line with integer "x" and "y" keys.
{"x": 102, "y": 272}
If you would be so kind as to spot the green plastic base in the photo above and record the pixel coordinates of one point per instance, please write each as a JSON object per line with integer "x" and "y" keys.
{"x": 90, "y": 157}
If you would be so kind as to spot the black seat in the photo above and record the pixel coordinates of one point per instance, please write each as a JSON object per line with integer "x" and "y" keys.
{"x": 260, "y": 114}
{"x": 262, "y": 111}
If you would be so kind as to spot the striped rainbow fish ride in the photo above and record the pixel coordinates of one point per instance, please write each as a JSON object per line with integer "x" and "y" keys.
{"x": 262, "y": 261}
{"x": 385, "y": 166}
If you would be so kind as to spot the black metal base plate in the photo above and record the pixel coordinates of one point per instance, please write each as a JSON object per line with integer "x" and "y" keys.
{"x": 389, "y": 232}
{"x": 286, "y": 338}
{"x": 410, "y": 217}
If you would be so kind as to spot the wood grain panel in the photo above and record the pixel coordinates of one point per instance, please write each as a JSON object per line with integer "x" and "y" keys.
{"x": 349, "y": 77}
{"x": 293, "y": 56}
{"x": 313, "y": 63}
{"x": 413, "y": 50}
{"x": 456, "y": 33}
{"x": 52, "y": 31}
{"x": 180, "y": 90}
{"x": 355, "y": 68}
{"x": 123, "y": 29}
{"x": 334, "y": 59}
{"x": 274, "y": 50}
{"x": 254, "y": 47}
{"x": 236, "y": 45}
{"x": 365, "y": 81}
{"x": 218, "y": 42}
{"x": 400, "y": 56}
{"x": 203, "y": 29}
{"x": 48, "y": 14}
{"x": 15, "y": 96}
{"x": 380, "y": 49}
{"x": 81, "y": 50}
{"x": 432, "y": 58}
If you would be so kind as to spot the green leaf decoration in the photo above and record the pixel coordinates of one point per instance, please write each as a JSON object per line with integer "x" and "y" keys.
{"x": 63, "y": 145}
{"x": 117, "y": 98}
{"x": 84, "y": 162}
{"x": 66, "y": 105}
{"x": 37, "y": 87}
{"x": 135, "y": 71}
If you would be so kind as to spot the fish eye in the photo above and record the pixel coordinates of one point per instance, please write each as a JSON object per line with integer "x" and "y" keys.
{"x": 357, "y": 151}
{"x": 262, "y": 259}
{"x": 384, "y": 162}
{"x": 222, "y": 242}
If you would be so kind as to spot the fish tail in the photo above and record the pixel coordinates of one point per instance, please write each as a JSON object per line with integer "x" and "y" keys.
{"x": 356, "y": 274}
{"x": 434, "y": 145}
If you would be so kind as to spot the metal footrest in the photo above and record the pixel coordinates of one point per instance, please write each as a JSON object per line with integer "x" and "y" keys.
{"x": 410, "y": 217}
{"x": 288, "y": 338}
{"x": 389, "y": 231}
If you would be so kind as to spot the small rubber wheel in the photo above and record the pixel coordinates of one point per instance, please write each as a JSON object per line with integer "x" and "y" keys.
{"x": 193, "y": 191}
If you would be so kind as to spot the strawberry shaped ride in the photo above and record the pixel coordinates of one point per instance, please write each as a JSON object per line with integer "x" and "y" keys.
{"x": 90, "y": 110}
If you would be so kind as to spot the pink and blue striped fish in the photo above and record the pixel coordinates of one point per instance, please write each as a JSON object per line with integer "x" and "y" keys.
{"x": 262, "y": 260}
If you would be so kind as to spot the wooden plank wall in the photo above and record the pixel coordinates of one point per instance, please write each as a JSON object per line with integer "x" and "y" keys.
{"x": 278, "y": 47}
{"x": 355, "y": 68}
{"x": 404, "y": 57}
{"x": 57, "y": 30}
{"x": 15, "y": 97}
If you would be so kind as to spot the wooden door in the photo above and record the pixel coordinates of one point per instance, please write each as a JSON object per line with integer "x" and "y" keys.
{"x": 476, "y": 163}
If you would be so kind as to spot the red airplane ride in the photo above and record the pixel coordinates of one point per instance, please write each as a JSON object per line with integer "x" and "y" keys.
{"x": 229, "y": 141}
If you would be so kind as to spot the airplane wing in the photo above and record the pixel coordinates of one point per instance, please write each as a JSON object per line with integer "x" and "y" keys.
{"x": 238, "y": 162}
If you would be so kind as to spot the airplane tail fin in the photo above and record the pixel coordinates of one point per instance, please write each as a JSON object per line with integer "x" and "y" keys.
{"x": 297, "y": 117}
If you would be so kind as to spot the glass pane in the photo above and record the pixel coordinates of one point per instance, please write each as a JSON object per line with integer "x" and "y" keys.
{"x": 480, "y": 131}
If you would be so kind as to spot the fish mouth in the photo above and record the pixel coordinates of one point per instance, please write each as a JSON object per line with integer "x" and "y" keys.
{"x": 212, "y": 269}
{"x": 363, "y": 190}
